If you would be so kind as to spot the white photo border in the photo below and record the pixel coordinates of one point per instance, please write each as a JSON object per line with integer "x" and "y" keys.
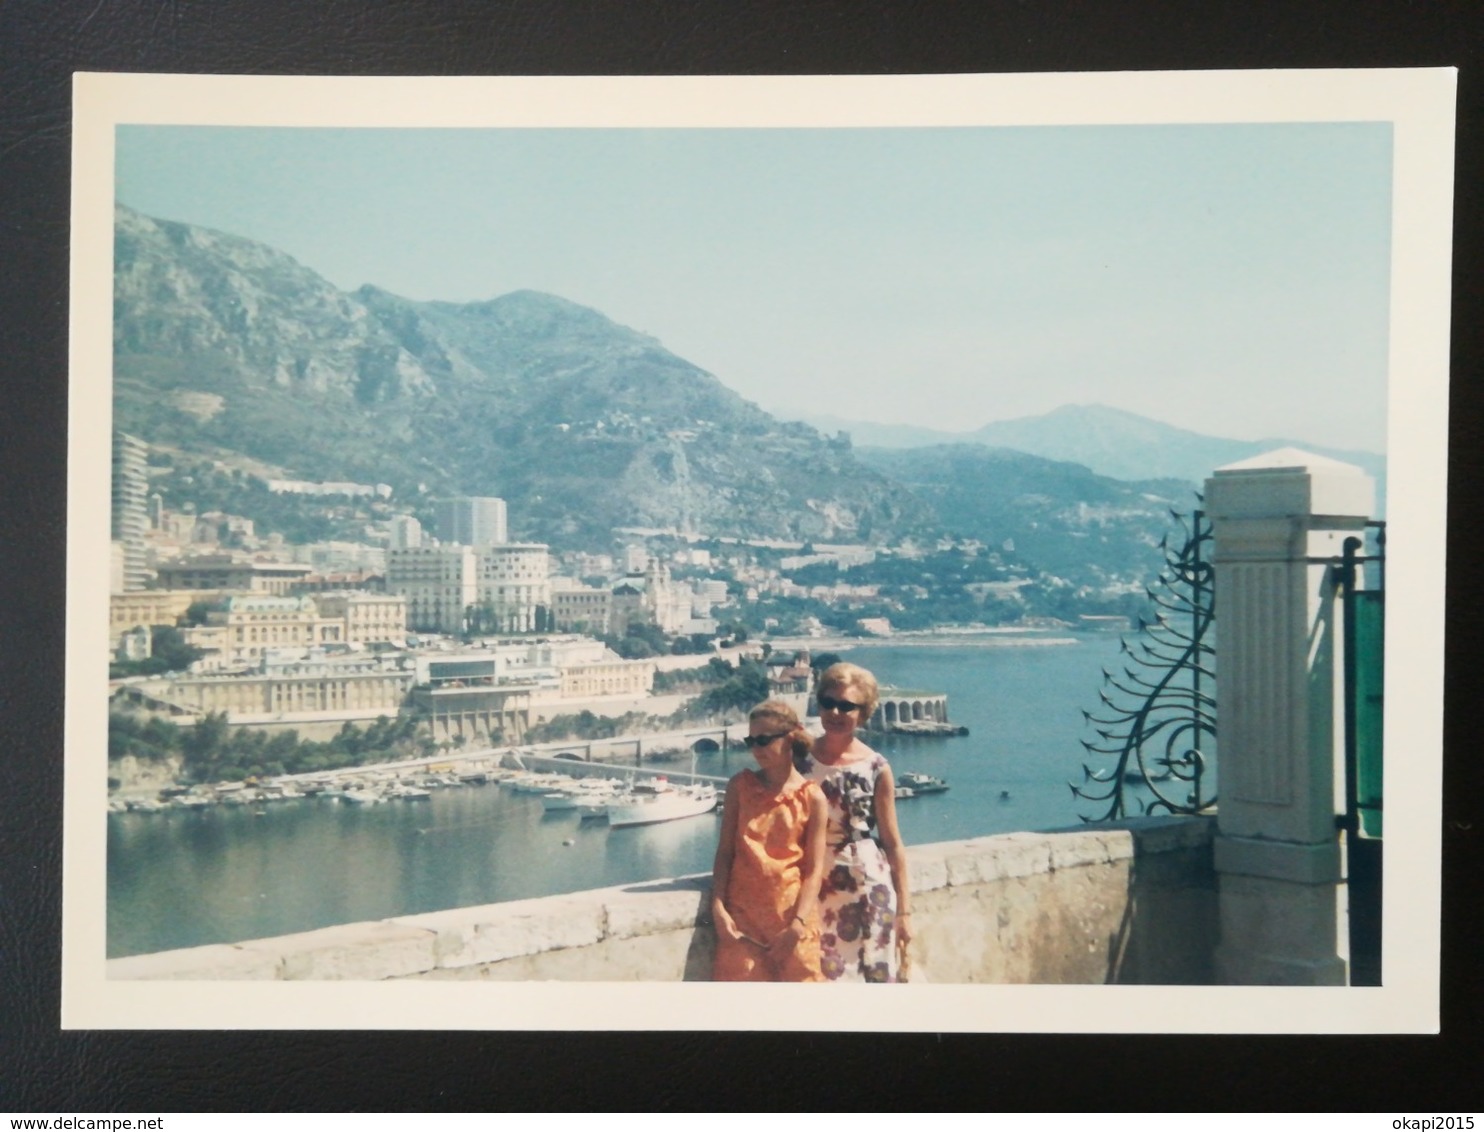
{"x": 1419, "y": 103}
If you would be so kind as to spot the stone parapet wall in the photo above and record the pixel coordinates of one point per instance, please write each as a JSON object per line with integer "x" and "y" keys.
{"x": 1130, "y": 903}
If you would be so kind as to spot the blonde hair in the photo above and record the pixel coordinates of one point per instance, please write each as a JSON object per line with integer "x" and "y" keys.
{"x": 798, "y": 738}
{"x": 853, "y": 676}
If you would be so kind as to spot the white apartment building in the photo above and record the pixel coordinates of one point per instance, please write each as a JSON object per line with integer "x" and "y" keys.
{"x": 439, "y": 583}
{"x": 130, "y": 510}
{"x": 515, "y": 585}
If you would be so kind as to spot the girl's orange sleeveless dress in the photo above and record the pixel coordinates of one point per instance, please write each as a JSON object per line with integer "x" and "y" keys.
{"x": 764, "y": 886}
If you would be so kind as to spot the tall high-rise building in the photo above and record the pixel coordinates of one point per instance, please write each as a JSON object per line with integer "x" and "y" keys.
{"x": 471, "y": 520}
{"x": 130, "y": 507}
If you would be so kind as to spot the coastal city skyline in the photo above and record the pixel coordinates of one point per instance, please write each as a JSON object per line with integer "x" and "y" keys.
{"x": 1192, "y": 274}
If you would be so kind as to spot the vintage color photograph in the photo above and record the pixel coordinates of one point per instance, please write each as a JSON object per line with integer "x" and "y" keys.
{"x": 647, "y": 534}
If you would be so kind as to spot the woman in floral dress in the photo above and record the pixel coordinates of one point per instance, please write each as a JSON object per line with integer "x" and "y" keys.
{"x": 864, "y": 903}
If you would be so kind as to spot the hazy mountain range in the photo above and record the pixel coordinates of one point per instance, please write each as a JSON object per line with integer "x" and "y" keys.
{"x": 230, "y": 349}
{"x": 1109, "y": 441}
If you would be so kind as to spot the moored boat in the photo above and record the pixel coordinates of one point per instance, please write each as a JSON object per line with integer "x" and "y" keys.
{"x": 922, "y": 784}
{"x": 663, "y": 805}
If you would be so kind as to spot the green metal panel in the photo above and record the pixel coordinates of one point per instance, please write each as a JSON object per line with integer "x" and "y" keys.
{"x": 1370, "y": 641}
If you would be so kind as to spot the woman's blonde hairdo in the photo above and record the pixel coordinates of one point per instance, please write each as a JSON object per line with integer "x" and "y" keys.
{"x": 843, "y": 675}
{"x": 784, "y": 713}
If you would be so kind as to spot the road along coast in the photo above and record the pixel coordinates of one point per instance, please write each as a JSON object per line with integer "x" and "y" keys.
{"x": 935, "y": 639}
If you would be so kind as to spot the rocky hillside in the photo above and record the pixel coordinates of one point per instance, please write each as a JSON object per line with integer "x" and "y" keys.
{"x": 1059, "y": 515}
{"x": 224, "y": 345}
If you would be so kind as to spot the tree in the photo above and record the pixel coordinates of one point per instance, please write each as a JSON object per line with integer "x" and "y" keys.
{"x": 197, "y": 612}
{"x": 479, "y": 619}
{"x": 747, "y": 688}
{"x": 204, "y": 744}
{"x": 633, "y": 648}
{"x": 168, "y": 645}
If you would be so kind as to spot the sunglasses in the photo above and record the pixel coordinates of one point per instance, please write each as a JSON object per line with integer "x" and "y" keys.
{"x": 763, "y": 740}
{"x": 837, "y": 705}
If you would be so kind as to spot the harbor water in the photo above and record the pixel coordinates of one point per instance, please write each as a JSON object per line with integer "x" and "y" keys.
{"x": 180, "y": 878}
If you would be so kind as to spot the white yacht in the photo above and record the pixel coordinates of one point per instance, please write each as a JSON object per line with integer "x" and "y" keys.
{"x": 665, "y": 804}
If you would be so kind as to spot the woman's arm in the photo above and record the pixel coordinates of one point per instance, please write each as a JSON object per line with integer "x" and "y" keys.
{"x": 721, "y": 869}
{"x": 891, "y": 844}
{"x": 811, "y": 870}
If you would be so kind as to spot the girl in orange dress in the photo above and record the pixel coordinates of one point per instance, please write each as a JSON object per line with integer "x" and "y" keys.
{"x": 765, "y": 883}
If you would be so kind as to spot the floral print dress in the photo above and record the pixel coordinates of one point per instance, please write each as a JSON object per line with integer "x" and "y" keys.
{"x": 857, "y": 902}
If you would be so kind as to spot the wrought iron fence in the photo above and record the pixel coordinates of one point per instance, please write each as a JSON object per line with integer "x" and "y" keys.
{"x": 1157, "y": 720}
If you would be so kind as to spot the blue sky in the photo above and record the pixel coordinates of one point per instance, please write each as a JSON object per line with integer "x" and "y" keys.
{"x": 1231, "y": 279}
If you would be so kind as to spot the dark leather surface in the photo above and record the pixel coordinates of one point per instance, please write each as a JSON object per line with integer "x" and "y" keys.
{"x": 43, "y": 1069}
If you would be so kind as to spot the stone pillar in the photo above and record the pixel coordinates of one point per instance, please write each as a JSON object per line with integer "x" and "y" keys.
{"x": 1278, "y": 520}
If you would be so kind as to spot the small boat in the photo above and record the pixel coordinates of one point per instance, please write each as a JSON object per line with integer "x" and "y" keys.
{"x": 362, "y": 797}
{"x": 540, "y": 783}
{"x": 590, "y": 795}
{"x": 409, "y": 793}
{"x": 905, "y": 792}
{"x": 922, "y": 783}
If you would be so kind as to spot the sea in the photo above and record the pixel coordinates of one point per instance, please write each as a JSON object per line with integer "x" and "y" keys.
{"x": 185, "y": 877}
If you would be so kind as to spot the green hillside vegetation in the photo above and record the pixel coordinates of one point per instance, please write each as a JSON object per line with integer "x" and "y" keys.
{"x": 1060, "y": 516}
{"x": 212, "y": 751}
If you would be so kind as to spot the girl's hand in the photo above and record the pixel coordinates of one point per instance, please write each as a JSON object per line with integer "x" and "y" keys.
{"x": 904, "y": 927}
{"x": 726, "y": 927}
{"x": 788, "y": 939}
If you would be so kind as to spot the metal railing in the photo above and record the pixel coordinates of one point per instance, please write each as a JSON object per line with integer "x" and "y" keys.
{"x": 1158, "y": 716}
{"x": 1359, "y": 578}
